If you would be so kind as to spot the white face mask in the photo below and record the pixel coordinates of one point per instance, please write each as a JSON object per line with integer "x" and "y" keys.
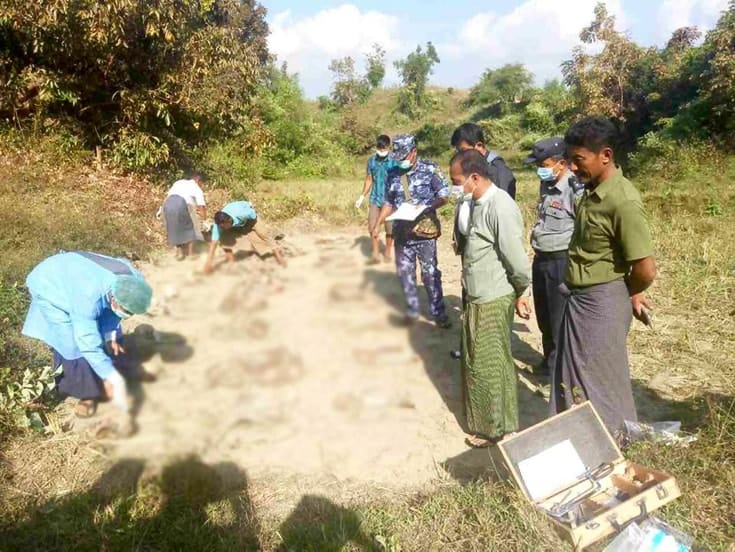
{"x": 381, "y": 154}
{"x": 468, "y": 195}
{"x": 457, "y": 191}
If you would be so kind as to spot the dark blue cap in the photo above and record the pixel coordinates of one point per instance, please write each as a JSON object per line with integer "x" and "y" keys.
{"x": 548, "y": 147}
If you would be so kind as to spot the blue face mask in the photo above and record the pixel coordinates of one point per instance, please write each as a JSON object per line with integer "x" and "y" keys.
{"x": 546, "y": 174}
{"x": 405, "y": 164}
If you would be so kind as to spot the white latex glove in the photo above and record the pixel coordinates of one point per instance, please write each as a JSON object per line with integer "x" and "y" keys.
{"x": 206, "y": 226}
{"x": 119, "y": 391}
{"x": 359, "y": 201}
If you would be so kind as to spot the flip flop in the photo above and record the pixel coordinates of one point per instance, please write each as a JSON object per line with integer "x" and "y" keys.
{"x": 86, "y": 408}
{"x": 486, "y": 441}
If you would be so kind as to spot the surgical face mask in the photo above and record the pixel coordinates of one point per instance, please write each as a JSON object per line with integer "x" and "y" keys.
{"x": 457, "y": 191}
{"x": 468, "y": 195}
{"x": 119, "y": 312}
{"x": 405, "y": 164}
{"x": 545, "y": 174}
{"x": 381, "y": 154}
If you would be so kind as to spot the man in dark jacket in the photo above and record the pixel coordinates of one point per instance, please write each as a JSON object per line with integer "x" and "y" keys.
{"x": 470, "y": 136}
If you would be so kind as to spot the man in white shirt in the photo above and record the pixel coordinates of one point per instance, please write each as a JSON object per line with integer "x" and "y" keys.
{"x": 183, "y": 208}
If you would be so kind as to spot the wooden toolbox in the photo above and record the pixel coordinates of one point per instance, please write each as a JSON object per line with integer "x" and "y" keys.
{"x": 570, "y": 467}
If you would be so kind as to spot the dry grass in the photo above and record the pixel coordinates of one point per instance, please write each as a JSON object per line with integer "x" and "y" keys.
{"x": 50, "y": 203}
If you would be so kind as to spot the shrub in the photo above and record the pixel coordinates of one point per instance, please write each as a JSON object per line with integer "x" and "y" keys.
{"x": 659, "y": 154}
{"x": 434, "y": 139}
{"x": 503, "y": 133}
{"x": 23, "y": 399}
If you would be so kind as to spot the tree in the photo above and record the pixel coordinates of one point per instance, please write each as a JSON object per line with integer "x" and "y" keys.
{"x": 141, "y": 77}
{"x": 348, "y": 87}
{"x": 414, "y": 72}
{"x": 549, "y": 109}
{"x": 502, "y": 87}
{"x": 375, "y": 62}
{"x": 714, "y": 73}
{"x": 602, "y": 82}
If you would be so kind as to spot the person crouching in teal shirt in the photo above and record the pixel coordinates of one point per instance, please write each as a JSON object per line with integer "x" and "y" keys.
{"x": 77, "y": 302}
{"x": 238, "y": 219}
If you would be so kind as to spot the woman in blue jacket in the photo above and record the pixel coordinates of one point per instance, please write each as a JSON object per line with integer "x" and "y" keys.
{"x": 77, "y": 302}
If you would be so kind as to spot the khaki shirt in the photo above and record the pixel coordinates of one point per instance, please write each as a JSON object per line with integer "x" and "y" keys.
{"x": 610, "y": 231}
{"x": 494, "y": 260}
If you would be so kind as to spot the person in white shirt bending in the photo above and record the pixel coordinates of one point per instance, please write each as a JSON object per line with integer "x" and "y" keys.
{"x": 183, "y": 210}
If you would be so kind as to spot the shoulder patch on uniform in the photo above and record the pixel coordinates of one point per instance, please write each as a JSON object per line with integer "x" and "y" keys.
{"x": 575, "y": 184}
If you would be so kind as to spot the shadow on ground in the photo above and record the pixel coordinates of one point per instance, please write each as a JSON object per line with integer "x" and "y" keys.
{"x": 189, "y": 505}
{"x": 317, "y": 524}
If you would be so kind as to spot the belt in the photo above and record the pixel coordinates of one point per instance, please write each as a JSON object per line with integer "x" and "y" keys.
{"x": 552, "y": 254}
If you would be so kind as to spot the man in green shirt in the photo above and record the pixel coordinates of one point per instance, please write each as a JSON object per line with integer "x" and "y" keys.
{"x": 495, "y": 274}
{"x": 610, "y": 266}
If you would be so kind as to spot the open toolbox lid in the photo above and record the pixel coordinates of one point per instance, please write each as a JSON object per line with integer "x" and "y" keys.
{"x": 553, "y": 455}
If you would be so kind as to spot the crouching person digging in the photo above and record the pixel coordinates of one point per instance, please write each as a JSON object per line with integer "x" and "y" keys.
{"x": 236, "y": 220}
{"x": 77, "y": 302}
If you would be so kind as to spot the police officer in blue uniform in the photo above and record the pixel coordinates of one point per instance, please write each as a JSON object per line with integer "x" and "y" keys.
{"x": 550, "y": 238}
{"x": 416, "y": 240}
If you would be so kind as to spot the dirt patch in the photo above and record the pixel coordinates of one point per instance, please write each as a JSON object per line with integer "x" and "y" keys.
{"x": 298, "y": 377}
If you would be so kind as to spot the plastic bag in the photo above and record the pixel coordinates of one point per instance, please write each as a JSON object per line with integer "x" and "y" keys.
{"x": 664, "y": 432}
{"x": 653, "y": 535}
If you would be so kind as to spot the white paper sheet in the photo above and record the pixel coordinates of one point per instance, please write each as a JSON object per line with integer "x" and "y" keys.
{"x": 407, "y": 211}
{"x": 550, "y": 470}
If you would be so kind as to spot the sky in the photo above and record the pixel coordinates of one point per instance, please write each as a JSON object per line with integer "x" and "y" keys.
{"x": 470, "y": 35}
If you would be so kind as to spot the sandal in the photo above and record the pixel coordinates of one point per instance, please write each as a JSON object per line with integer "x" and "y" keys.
{"x": 482, "y": 441}
{"x": 86, "y": 408}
